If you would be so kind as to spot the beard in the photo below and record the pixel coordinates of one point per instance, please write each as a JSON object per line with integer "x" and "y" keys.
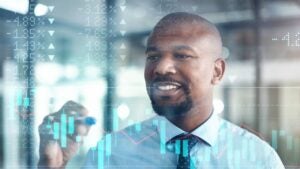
{"x": 172, "y": 110}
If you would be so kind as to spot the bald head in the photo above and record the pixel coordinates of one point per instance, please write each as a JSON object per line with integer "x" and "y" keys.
{"x": 187, "y": 24}
{"x": 183, "y": 64}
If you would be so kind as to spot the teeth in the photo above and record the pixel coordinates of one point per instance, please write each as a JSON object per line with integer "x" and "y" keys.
{"x": 167, "y": 87}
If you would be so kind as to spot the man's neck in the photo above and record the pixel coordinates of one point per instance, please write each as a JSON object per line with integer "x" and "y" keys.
{"x": 192, "y": 119}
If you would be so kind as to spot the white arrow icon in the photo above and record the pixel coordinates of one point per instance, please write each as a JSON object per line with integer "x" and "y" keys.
{"x": 123, "y": 46}
{"x": 123, "y": 57}
{"x": 51, "y": 57}
{"x": 123, "y": 33}
{"x": 123, "y": 22}
{"x": 51, "y": 32}
{"x": 51, "y": 20}
{"x": 51, "y": 8}
{"x": 51, "y": 46}
{"x": 123, "y": 8}
{"x": 232, "y": 78}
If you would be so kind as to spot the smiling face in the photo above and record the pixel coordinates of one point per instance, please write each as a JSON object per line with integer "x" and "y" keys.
{"x": 180, "y": 67}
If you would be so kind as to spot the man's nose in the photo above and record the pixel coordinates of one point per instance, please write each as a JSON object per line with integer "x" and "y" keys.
{"x": 166, "y": 65}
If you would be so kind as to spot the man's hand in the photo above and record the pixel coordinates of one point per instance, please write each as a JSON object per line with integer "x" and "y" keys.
{"x": 52, "y": 155}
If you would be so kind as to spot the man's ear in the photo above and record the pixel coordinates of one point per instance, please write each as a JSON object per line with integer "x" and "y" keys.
{"x": 219, "y": 69}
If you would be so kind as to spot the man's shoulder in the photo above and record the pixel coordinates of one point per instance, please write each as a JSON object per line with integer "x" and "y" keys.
{"x": 244, "y": 136}
{"x": 245, "y": 141}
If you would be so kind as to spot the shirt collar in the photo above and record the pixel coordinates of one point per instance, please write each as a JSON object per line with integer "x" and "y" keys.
{"x": 208, "y": 131}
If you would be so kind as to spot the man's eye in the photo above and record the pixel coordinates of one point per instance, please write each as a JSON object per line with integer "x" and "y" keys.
{"x": 152, "y": 57}
{"x": 182, "y": 56}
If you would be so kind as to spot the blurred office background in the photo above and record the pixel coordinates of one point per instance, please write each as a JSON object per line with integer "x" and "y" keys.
{"x": 92, "y": 52}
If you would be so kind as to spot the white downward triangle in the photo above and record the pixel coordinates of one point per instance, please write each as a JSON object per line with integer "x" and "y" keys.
{"x": 51, "y": 46}
{"x": 122, "y": 7}
{"x": 51, "y": 8}
{"x": 51, "y": 57}
{"x": 122, "y": 57}
{"x": 51, "y": 20}
{"x": 232, "y": 78}
{"x": 123, "y": 46}
{"x": 51, "y": 32}
{"x": 123, "y": 33}
{"x": 122, "y": 22}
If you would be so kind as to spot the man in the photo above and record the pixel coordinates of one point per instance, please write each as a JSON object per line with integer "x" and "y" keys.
{"x": 183, "y": 64}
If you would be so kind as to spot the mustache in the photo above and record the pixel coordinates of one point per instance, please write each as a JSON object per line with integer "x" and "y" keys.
{"x": 164, "y": 79}
{"x": 157, "y": 79}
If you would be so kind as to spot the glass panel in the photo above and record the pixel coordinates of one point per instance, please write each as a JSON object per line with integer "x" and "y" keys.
{"x": 93, "y": 52}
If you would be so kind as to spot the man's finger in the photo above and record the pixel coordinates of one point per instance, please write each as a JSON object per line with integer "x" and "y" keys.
{"x": 82, "y": 129}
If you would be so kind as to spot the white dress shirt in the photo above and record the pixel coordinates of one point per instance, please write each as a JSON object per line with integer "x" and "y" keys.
{"x": 221, "y": 145}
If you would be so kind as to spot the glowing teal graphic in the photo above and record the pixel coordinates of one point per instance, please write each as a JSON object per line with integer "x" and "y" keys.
{"x": 185, "y": 148}
{"x": 192, "y": 163}
{"x": 115, "y": 120}
{"x": 244, "y": 149}
{"x": 230, "y": 146}
{"x": 63, "y": 130}
{"x": 155, "y": 122}
{"x": 282, "y": 133}
{"x": 177, "y": 147}
{"x": 289, "y": 142}
{"x": 237, "y": 159}
{"x": 56, "y": 130}
{"x": 101, "y": 155}
{"x": 274, "y": 139}
{"x": 162, "y": 137}
{"x": 78, "y": 139}
{"x": 138, "y": 127}
{"x": 26, "y": 102}
{"x": 252, "y": 151}
{"x": 19, "y": 98}
{"x": 108, "y": 145}
{"x": 71, "y": 125}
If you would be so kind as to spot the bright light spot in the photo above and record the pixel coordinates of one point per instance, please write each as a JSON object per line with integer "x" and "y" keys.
{"x": 225, "y": 52}
{"x": 92, "y": 72}
{"x": 71, "y": 72}
{"x": 40, "y": 10}
{"x": 123, "y": 111}
{"x": 19, "y": 6}
{"x": 48, "y": 73}
{"x": 218, "y": 106}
